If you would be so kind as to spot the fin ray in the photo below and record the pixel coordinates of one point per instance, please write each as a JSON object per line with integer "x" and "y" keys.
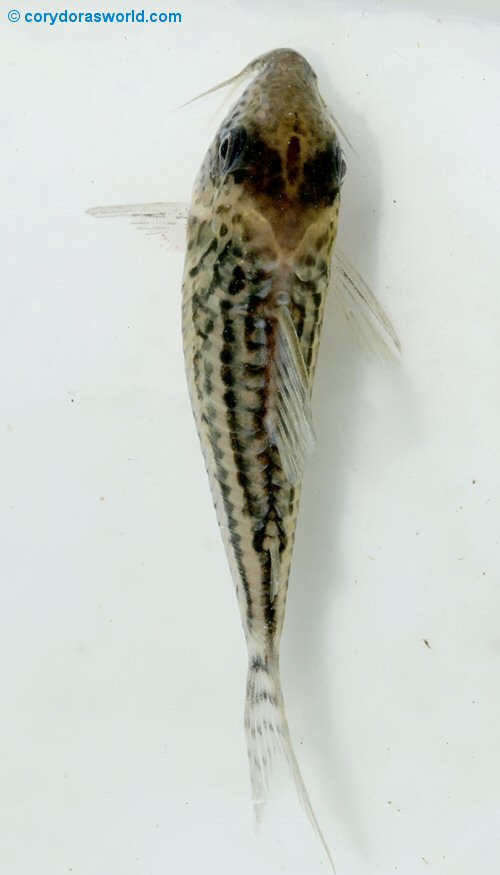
{"x": 371, "y": 327}
{"x": 167, "y": 220}
{"x": 290, "y": 408}
{"x": 274, "y": 552}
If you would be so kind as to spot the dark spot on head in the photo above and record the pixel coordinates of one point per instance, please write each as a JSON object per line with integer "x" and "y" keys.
{"x": 293, "y": 160}
{"x": 194, "y": 270}
{"x": 260, "y": 169}
{"x": 321, "y": 180}
{"x": 223, "y": 230}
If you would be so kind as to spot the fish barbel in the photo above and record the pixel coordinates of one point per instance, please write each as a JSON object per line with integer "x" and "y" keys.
{"x": 261, "y": 231}
{"x": 261, "y": 228}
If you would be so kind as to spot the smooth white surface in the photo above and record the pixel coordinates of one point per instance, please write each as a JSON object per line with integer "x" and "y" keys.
{"x": 122, "y": 656}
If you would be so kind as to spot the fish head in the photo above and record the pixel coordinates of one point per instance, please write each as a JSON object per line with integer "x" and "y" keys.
{"x": 276, "y": 159}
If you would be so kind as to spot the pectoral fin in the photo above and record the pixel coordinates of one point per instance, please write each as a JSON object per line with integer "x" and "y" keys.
{"x": 370, "y": 326}
{"x": 290, "y": 410}
{"x": 166, "y": 220}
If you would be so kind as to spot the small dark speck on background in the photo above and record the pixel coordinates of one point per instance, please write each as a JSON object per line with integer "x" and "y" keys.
{"x": 427, "y": 643}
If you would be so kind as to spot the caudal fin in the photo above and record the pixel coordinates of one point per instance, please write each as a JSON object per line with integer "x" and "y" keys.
{"x": 267, "y": 734}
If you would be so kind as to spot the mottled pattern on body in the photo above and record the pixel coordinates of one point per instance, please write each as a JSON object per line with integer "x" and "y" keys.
{"x": 256, "y": 235}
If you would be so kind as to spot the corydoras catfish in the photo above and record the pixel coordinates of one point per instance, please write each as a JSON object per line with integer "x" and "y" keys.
{"x": 260, "y": 235}
{"x": 261, "y": 228}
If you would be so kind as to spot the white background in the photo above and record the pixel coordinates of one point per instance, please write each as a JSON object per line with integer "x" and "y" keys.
{"x": 121, "y": 652}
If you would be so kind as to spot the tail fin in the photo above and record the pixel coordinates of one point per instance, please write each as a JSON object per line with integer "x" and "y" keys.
{"x": 267, "y": 733}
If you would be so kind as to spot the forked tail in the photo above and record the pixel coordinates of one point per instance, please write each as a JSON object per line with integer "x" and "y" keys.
{"x": 267, "y": 733}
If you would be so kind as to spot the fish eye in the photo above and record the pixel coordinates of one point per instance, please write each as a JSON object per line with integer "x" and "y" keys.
{"x": 231, "y": 148}
{"x": 341, "y": 164}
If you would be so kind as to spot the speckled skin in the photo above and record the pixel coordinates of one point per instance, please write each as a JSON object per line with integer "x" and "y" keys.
{"x": 261, "y": 228}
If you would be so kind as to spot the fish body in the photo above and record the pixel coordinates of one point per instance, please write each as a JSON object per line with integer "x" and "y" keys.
{"x": 260, "y": 234}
